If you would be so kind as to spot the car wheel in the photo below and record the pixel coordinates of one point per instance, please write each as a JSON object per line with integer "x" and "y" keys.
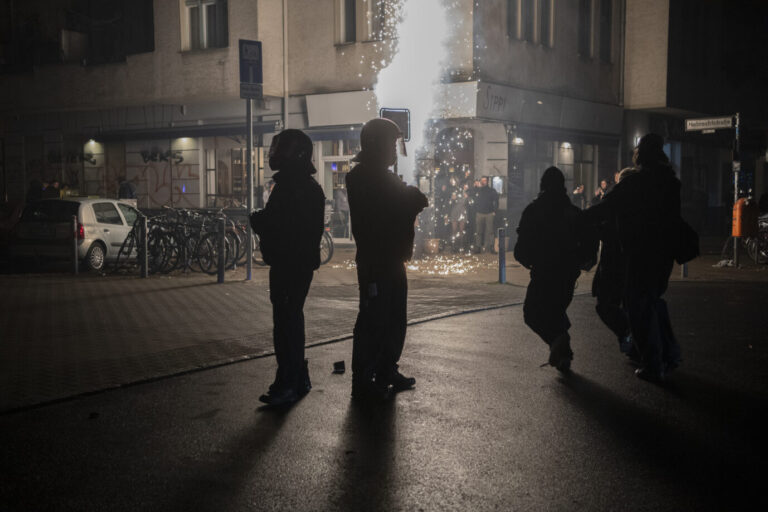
{"x": 94, "y": 259}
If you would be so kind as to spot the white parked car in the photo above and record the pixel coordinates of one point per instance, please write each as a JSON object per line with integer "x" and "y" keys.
{"x": 46, "y": 230}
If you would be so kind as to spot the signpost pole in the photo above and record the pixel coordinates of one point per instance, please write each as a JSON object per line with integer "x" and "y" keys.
{"x": 250, "y": 88}
{"x": 249, "y": 197}
{"x": 736, "y": 173}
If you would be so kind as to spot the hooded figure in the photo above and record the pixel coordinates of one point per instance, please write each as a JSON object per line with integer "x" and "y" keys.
{"x": 553, "y": 244}
{"x": 646, "y": 208}
{"x": 289, "y": 229}
{"x": 608, "y": 282}
{"x": 383, "y": 210}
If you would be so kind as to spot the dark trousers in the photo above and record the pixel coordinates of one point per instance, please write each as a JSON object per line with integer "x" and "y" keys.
{"x": 379, "y": 333}
{"x": 647, "y": 280}
{"x": 549, "y": 294}
{"x": 288, "y": 288}
{"x": 608, "y": 289}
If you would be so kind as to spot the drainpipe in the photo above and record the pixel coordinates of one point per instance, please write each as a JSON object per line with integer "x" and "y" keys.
{"x": 285, "y": 64}
{"x": 622, "y": 137}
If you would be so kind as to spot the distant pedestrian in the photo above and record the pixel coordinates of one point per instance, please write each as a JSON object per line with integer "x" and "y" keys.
{"x": 342, "y": 208}
{"x": 51, "y": 190}
{"x": 578, "y": 197}
{"x": 383, "y": 212}
{"x": 289, "y": 229}
{"x": 125, "y": 189}
{"x": 600, "y": 192}
{"x": 646, "y": 206}
{"x": 486, "y": 204}
{"x": 458, "y": 217}
{"x": 552, "y": 243}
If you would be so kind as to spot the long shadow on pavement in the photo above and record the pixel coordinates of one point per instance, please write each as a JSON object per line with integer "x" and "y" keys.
{"x": 675, "y": 454}
{"x": 220, "y": 485}
{"x": 365, "y": 480}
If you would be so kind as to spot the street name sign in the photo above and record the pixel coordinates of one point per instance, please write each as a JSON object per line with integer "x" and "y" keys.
{"x": 401, "y": 117}
{"x": 251, "y": 80}
{"x": 708, "y": 124}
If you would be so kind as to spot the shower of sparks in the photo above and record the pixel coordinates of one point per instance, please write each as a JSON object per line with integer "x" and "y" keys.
{"x": 442, "y": 264}
{"x": 417, "y": 31}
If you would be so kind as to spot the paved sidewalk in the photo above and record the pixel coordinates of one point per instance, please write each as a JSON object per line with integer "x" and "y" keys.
{"x": 64, "y": 335}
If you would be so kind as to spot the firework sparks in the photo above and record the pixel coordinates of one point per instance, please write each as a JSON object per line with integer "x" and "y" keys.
{"x": 420, "y": 31}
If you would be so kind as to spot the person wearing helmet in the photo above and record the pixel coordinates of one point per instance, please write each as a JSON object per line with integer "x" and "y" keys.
{"x": 289, "y": 229}
{"x": 383, "y": 211}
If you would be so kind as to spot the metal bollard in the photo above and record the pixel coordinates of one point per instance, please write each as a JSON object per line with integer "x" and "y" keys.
{"x": 221, "y": 244}
{"x": 143, "y": 247}
{"x": 502, "y": 257}
{"x": 74, "y": 239}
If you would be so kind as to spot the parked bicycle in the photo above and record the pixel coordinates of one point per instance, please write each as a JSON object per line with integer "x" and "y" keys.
{"x": 757, "y": 246}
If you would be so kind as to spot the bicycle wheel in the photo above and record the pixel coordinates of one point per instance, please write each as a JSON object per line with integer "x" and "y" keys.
{"x": 127, "y": 250}
{"x": 232, "y": 243}
{"x": 157, "y": 249}
{"x": 208, "y": 253}
{"x": 755, "y": 251}
{"x": 326, "y": 248}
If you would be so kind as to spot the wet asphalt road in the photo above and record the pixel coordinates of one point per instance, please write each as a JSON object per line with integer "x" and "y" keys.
{"x": 486, "y": 429}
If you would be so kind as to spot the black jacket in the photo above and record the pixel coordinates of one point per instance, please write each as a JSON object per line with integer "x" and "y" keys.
{"x": 552, "y": 236}
{"x": 292, "y": 223}
{"x": 646, "y": 207}
{"x": 487, "y": 200}
{"x": 383, "y": 211}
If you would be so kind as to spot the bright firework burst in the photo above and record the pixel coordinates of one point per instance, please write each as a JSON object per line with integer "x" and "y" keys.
{"x": 419, "y": 31}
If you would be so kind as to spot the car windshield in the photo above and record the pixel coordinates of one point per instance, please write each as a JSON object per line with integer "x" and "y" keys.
{"x": 50, "y": 211}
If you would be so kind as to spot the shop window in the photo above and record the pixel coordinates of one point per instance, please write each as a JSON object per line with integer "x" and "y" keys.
{"x": 585, "y": 28}
{"x": 606, "y": 26}
{"x": 204, "y": 24}
{"x": 545, "y": 22}
{"x": 528, "y": 12}
{"x": 376, "y": 19}
{"x": 347, "y": 21}
{"x": 513, "y": 19}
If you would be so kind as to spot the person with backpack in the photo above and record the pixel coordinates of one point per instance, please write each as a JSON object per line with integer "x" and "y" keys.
{"x": 646, "y": 208}
{"x": 555, "y": 245}
{"x": 289, "y": 229}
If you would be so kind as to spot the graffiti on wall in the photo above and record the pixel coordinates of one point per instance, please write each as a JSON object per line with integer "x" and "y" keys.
{"x": 165, "y": 184}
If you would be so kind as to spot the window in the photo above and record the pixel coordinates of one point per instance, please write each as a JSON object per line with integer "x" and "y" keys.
{"x": 129, "y": 213}
{"x": 545, "y": 22}
{"x": 528, "y": 18}
{"x": 606, "y": 22}
{"x": 513, "y": 18}
{"x": 585, "y": 28}
{"x": 376, "y": 16}
{"x": 106, "y": 213}
{"x": 348, "y": 21}
{"x": 205, "y": 24}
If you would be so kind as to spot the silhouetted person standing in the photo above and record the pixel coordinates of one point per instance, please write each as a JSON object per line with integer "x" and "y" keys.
{"x": 646, "y": 206}
{"x": 290, "y": 227}
{"x": 383, "y": 210}
{"x": 608, "y": 282}
{"x": 551, "y": 244}
{"x": 486, "y": 204}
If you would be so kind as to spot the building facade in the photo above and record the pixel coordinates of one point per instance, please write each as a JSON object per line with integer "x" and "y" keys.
{"x": 687, "y": 59}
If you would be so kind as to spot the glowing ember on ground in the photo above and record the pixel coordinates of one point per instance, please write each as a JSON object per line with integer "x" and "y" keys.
{"x": 442, "y": 265}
